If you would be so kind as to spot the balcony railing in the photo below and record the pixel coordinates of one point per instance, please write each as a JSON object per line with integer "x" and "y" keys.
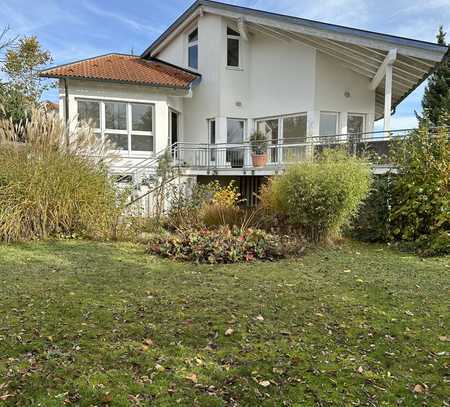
{"x": 374, "y": 145}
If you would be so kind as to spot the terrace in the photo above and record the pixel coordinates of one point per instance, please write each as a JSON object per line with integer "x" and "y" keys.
{"x": 236, "y": 158}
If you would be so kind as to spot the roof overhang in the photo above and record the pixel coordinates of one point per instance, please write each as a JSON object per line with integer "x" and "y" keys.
{"x": 363, "y": 52}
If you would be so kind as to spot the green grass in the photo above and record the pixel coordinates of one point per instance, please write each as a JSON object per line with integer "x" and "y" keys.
{"x": 89, "y": 324}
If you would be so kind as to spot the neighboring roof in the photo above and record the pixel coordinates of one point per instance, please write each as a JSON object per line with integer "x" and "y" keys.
{"x": 126, "y": 69}
{"x": 50, "y": 106}
{"x": 293, "y": 20}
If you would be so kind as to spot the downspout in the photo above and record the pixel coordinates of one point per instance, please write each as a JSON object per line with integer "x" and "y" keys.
{"x": 66, "y": 110}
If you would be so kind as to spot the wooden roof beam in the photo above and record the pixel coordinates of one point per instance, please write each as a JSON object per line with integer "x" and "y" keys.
{"x": 381, "y": 72}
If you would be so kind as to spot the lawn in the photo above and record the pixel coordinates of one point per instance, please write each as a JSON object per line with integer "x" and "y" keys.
{"x": 87, "y": 324}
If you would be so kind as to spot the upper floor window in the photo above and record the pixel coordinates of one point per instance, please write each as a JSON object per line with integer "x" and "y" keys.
{"x": 233, "y": 48}
{"x": 193, "y": 49}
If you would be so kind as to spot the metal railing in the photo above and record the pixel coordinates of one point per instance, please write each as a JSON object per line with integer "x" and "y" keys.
{"x": 282, "y": 152}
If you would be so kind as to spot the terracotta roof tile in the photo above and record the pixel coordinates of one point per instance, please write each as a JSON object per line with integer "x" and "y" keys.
{"x": 125, "y": 68}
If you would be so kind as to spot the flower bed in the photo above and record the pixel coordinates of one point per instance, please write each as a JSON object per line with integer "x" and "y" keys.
{"x": 222, "y": 245}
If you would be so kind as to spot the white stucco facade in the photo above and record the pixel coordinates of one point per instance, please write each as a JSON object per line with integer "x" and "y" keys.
{"x": 275, "y": 78}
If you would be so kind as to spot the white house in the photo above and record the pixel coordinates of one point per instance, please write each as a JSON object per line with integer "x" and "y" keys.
{"x": 221, "y": 71}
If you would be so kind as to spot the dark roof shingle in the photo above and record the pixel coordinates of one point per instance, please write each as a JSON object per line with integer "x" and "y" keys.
{"x": 125, "y": 68}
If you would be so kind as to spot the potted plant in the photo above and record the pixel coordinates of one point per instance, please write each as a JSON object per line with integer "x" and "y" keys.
{"x": 258, "y": 143}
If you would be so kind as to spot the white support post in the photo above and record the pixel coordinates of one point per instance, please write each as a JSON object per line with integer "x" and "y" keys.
{"x": 388, "y": 98}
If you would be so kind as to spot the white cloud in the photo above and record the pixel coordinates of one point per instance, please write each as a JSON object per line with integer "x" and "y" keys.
{"x": 121, "y": 17}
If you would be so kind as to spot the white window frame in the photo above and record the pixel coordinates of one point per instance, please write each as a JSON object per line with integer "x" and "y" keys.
{"x": 244, "y": 128}
{"x": 280, "y": 136}
{"x": 281, "y": 123}
{"x": 140, "y": 132}
{"x": 129, "y": 124}
{"x": 234, "y": 37}
{"x": 213, "y": 152}
{"x": 192, "y": 44}
{"x": 337, "y": 130}
{"x": 96, "y": 130}
{"x": 363, "y": 115}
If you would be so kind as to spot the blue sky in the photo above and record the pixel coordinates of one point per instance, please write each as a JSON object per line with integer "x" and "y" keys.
{"x": 78, "y": 29}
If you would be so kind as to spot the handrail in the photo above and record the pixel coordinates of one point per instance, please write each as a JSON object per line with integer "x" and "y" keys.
{"x": 147, "y": 162}
{"x": 360, "y": 137}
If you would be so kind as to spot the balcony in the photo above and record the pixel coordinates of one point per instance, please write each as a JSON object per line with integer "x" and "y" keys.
{"x": 236, "y": 159}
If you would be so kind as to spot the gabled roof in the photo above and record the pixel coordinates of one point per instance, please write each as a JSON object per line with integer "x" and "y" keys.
{"x": 364, "y": 52}
{"x": 126, "y": 69}
{"x": 282, "y": 18}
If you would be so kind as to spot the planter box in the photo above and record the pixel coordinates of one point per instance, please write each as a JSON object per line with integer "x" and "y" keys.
{"x": 259, "y": 160}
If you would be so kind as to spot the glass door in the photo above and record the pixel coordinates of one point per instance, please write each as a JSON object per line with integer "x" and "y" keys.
{"x": 235, "y": 137}
{"x": 174, "y": 125}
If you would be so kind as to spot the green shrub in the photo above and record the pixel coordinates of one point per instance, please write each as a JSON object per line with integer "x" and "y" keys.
{"x": 222, "y": 245}
{"x": 420, "y": 192}
{"x": 372, "y": 222}
{"x": 320, "y": 197}
{"x": 50, "y": 188}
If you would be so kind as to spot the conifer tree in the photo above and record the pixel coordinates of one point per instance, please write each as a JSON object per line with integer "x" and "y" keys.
{"x": 436, "y": 99}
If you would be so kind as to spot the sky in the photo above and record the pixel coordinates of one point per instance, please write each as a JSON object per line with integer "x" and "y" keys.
{"x": 77, "y": 29}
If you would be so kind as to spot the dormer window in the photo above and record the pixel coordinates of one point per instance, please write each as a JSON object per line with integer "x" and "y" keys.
{"x": 193, "y": 49}
{"x": 233, "y": 48}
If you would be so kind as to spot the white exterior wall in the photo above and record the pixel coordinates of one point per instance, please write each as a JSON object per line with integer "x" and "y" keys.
{"x": 275, "y": 78}
{"x": 332, "y": 83}
{"x": 161, "y": 99}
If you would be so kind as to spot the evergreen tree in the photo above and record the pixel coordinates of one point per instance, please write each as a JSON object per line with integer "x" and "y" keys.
{"x": 436, "y": 99}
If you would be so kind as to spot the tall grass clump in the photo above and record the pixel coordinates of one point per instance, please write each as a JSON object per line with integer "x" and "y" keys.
{"x": 318, "y": 198}
{"x": 55, "y": 183}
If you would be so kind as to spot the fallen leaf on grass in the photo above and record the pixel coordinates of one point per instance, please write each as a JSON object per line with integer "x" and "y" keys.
{"x": 193, "y": 378}
{"x": 444, "y": 339}
{"x": 229, "y": 332}
{"x": 419, "y": 389}
{"x": 107, "y": 398}
{"x": 6, "y": 396}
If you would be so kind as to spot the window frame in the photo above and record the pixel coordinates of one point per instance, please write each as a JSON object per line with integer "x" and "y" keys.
{"x": 363, "y": 115}
{"x": 103, "y": 131}
{"x": 244, "y": 128}
{"x": 337, "y": 115}
{"x": 96, "y": 129}
{"x": 280, "y": 119}
{"x": 192, "y": 44}
{"x": 238, "y": 38}
{"x": 213, "y": 153}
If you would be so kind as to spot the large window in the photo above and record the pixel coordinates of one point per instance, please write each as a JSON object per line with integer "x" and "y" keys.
{"x": 128, "y": 126}
{"x": 284, "y": 130}
{"x": 193, "y": 49}
{"x": 294, "y": 129}
{"x": 233, "y": 48}
{"x": 141, "y": 127}
{"x": 329, "y": 122}
{"x": 355, "y": 123}
{"x": 270, "y": 129}
{"x": 89, "y": 112}
{"x": 235, "y": 135}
